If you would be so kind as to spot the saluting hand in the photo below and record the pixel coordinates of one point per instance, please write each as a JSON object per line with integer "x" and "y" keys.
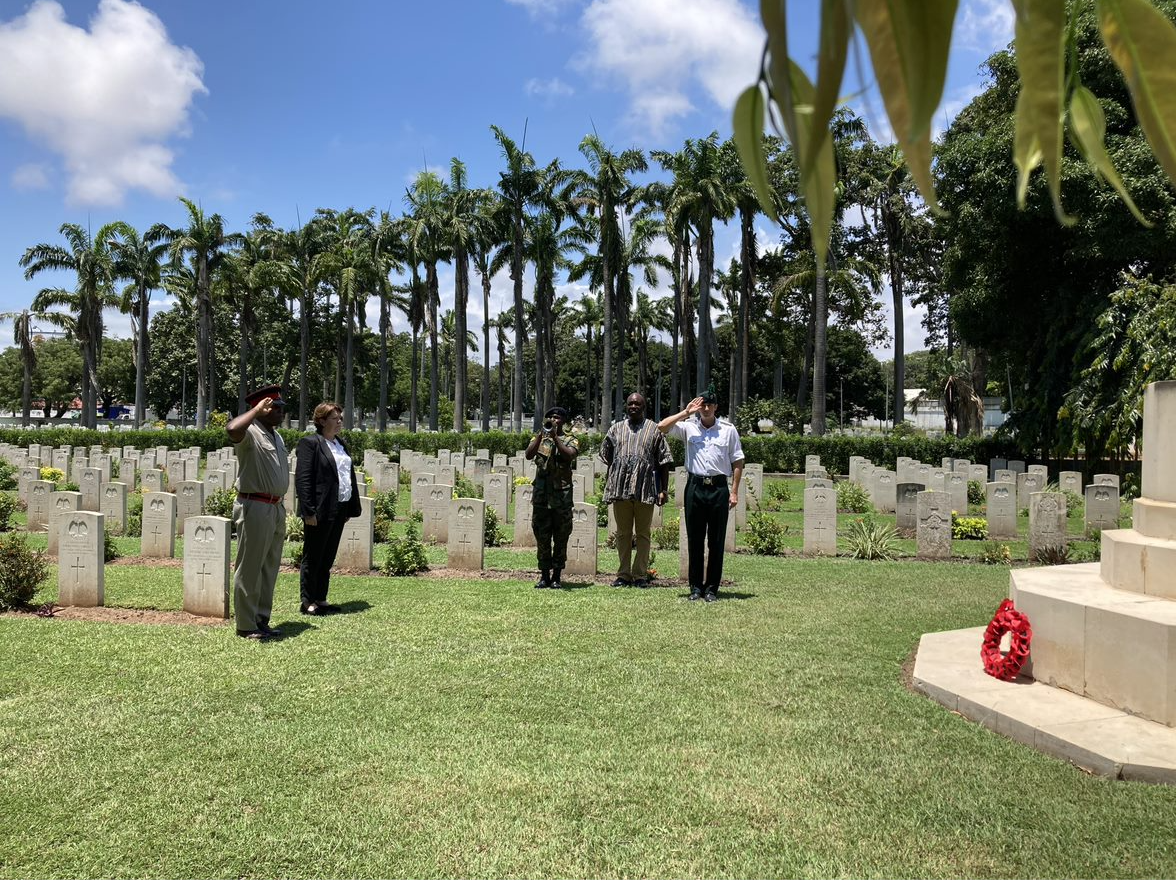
{"x": 694, "y": 406}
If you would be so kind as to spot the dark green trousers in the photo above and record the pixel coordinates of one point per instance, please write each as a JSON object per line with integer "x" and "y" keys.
{"x": 552, "y": 527}
{"x": 706, "y": 509}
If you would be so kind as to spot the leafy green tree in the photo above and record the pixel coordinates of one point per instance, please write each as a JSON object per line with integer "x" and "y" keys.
{"x": 116, "y": 374}
{"x": 60, "y": 374}
{"x": 93, "y": 266}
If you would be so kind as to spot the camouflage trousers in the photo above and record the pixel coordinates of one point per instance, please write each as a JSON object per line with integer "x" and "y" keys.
{"x": 552, "y": 527}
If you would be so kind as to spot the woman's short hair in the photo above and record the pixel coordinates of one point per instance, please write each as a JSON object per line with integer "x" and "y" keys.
{"x": 323, "y": 410}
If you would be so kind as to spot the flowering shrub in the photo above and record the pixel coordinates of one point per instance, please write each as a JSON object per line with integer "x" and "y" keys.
{"x": 996, "y": 553}
{"x": 52, "y": 474}
{"x": 968, "y": 528}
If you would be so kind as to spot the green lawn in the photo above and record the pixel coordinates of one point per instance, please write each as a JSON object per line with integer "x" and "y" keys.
{"x": 483, "y": 728}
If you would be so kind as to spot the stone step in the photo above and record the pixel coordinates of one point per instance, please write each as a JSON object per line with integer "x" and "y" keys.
{"x": 1139, "y": 563}
{"x": 1100, "y": 739}
{"x": 1114, "y": 646}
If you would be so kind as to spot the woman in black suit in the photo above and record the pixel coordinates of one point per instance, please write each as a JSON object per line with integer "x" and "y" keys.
{"x": 328, "y": 496}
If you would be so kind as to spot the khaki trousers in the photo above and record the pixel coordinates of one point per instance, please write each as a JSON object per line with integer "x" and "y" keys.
{"x": 633, "y": 518}
{"x": 261, "y": 532}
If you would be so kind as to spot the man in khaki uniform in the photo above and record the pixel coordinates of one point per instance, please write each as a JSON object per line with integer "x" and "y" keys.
{"x": 259, "y": 514}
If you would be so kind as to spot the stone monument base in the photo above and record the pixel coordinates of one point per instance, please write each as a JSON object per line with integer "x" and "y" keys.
{"x": 1096, "y": 737}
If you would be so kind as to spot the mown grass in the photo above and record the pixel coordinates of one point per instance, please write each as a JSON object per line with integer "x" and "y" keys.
{"x": 483, "y": 728}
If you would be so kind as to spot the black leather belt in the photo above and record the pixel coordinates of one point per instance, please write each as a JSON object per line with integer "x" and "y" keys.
{"x": 715, "y": 480}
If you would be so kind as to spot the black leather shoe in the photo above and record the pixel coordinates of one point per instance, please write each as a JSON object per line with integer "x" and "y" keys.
{"x": 264, "y": 627}
{"x": 641, "y": 582}
{"x": 711, "y": 596}
{"x": 312, "y": 609}
{"x": 542, "y": 583}
{"x": 620, "y": 582}
{"x": 695, "y": 594}
{"x": 254, "y": 635}
{"x": 556, "y": 583}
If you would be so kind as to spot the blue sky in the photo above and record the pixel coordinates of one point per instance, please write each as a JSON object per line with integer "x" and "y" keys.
{"x": 110, "y": 109}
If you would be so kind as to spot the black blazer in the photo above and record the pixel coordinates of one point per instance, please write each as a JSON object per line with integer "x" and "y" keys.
{"x": 316, "y": 480}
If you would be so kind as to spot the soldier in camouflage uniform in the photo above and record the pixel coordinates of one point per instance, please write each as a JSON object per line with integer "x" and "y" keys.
{"x": 554, "y": 453}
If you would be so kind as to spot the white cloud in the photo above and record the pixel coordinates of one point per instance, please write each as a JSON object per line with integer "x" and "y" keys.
{"x": 31, "y": 176}
{"x": 986, "y": 25}
{"x": 541, "y": 8}
{"x": 105, "y": 99}
{"x": 661, "y": 49}
{"x": 547, "y": 88}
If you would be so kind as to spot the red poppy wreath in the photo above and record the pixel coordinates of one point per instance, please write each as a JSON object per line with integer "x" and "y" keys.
{"x": 1006, "y": 620}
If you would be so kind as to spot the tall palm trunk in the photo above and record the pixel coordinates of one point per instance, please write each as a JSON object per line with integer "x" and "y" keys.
{"x": 385, "y": 329}
{"x": 304, "y": 354}
{"x": 461, "y": 304}
{"x": 412, "y": 404}
{"x": 747, "y": 277}
{"x": 142, "y": 353}
{"x": 820, "y": 350}
{"x": 485, "y": 353}
{"x": 675, "y": 400}
{"x": 623, "y": 298}
{"x": 520, "y": 332}
{"x": 349, "y": 366}
{"x": 203, "y": 340}
{"x": 806, "y": 367}
{"x": 706, "y": 260}
{"x": 434, "y": 294}
{"x": 686, "y": 316}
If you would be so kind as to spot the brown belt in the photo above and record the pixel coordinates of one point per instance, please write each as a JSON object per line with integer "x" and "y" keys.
{"x": 260, "y": 496}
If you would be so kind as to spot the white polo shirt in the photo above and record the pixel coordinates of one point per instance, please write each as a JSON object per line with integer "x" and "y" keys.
{"x": 710, "y": 452}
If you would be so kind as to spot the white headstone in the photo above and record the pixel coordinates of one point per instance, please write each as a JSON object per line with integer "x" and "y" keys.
{"x": 81, "y": 564}
{"x": 206, "y": 566}
{"x": 933, "y": 531}
{"x": 820, "y": 521}
{"x": 435, "y": 510}
{"x": 113, "y": 505}
{"x": 1047, "y": 521}
{"x": 189, "y": 502}
{"x": 467, "y": 534}
{"x": 582, "y": 545}
{"x": 159, "y": 525}
{"x": 1002, "y": 510}
{"x": 355, "y": 546}
{"x": 1102, "y": 507}
{"x": 63, "y": 504}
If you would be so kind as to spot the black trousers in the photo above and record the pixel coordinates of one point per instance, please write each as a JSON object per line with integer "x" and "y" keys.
{"x": 320, "y": 544}
{"x": 552, "y": 527}
{"x": 706, "y": 509}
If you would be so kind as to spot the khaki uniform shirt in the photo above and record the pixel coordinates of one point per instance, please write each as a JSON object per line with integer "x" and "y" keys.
{"x": 261, "y": 456}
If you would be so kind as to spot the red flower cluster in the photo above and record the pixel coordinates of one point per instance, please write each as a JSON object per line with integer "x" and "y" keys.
{"x": 1007, "y": 620}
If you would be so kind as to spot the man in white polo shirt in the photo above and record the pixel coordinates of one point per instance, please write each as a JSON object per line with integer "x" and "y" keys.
{"x": 714, "y": 466}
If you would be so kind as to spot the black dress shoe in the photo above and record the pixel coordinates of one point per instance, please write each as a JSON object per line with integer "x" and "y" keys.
{"x": 641, "y": 582}
{"x": 312, "y": 609}
{"x": 542, "y": 583}
{"x": 711, "y": 596}
{"x": 620, "y": 582}
{"x": 272, "y": 632}
{"x": 556, "y": 583}
{"x": 695, "y": 594}
{"x": 254, "y": 635}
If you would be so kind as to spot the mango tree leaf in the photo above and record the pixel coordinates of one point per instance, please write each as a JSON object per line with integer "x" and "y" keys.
{"x": 818, "y": 175}
{"x": 1142, "y": 43}
{"x": 1041, "y": 64}
{"x": 1088, "y": 128}
{"x": 748, "y": 130}
{"x": 909, "y": 42}
{"x": 836, "y": 29}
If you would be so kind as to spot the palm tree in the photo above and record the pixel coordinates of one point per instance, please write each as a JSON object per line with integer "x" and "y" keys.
{"x": 747, "y": 207}
{"x": 506, "y": 319}
{"x": 205, "y": 240}
{"x": 460, "y": 225}
{"x": 518, "y": 184}
{"x": 388, "y": 253}
{"x": 23, "y": 335}
{"x": 91, "y": 261}
{"x": 137, "y": 260}
{"x": 425, "y": 200}
{"x": 484, "y": 249}
{"x": 605, "y": 191}
{"x": 588, "y": 313}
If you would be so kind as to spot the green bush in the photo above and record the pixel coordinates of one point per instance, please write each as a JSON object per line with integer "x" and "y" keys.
{"x": 764, "y": 534}
{"x": 220, "y": 503}
{"x": 110, "y": 551}
{"x": 8, "y": 475}
{"x": 22, "y": 571}
{"x": 71, "y": 486}
{"x": 384, "y": 504}
{"x": 602, "y": 516}
{"x": 53, "y": 475}
{"x": 464, "y": 487}
{"x": 665, "y": 536}
{"x": 296, "y": 552}
{"x": 115, "y": 468}
{"x": 295, "y": 529}
{"x": 786, "y": 416}
{"x": 968, "y": 528}
{"x": 7, "y": 509}
{"x": 853, "y": 498}
{"x": 869, "y": 539}
{"x": 406, "y": 555}
{"x": 416, "y": 517}
{"x": 977, "y": 492}
{"x": 494, "y": 536}
{"x": 134, "y": 526}
{"x": 996, "y": 553}
{"x": 779, "y": 493}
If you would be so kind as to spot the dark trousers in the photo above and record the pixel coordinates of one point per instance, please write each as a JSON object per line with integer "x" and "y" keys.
{"x": 320, "y": 544}
{"x": 552, "y": 527}
{"x": 706, "y": 509}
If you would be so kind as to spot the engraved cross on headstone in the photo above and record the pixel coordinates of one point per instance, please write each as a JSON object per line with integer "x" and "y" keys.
{"x": 78, "y": 568}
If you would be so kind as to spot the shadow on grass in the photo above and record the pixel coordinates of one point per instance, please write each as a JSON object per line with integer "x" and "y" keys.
{"x": 292, "y": 629}
{"x": 355, "y": 606}
{"x": 724, "y": 595}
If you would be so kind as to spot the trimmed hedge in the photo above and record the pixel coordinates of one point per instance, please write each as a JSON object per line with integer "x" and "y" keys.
{"x": 778, "y": 453}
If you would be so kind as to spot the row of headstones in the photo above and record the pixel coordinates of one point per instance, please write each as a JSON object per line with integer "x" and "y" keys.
{"x": 164, "y": 513}
{"x": 922, "y": 509}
